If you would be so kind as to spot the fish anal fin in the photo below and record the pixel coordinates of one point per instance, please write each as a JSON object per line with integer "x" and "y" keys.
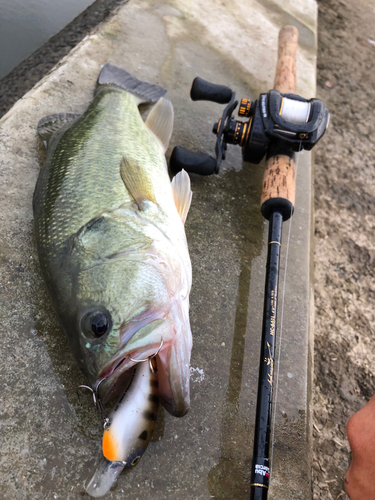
{"x": 50, "y": 124}
{"x": 160, "y": 121}
{"x": 182, "y": 193}
{"x": 136, "y": 182}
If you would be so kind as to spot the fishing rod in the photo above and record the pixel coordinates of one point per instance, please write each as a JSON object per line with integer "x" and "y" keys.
{"x": 280, "y": 124}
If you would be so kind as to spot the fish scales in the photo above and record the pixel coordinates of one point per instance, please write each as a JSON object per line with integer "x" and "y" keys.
{"x": 84, "y": 177}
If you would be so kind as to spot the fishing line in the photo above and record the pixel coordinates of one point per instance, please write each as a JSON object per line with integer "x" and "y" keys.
{"x": 281, "y": 325}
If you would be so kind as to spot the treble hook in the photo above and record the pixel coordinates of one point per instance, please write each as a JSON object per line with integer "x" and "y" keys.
{"x": 153, "y": 356}
{"x": 153, "y": 370}
{"x": 95, "y": 392}
{"x": 97, "y": 402}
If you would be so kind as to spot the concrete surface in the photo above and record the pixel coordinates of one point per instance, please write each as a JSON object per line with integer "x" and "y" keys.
{"x": 50, "y": 443}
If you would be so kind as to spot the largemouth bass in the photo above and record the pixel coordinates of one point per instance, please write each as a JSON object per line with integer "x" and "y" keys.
{"x": 109, "y": 227}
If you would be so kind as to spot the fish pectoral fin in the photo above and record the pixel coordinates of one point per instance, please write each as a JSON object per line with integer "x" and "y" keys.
{"x": 137, "y": 182}
{"x": 182, "y": 193}
{"x": 50, "y": 124}
{"x": 160, "y": 121}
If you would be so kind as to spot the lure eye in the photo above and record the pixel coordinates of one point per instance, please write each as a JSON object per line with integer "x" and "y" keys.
{"x": 136, "y": 460}
{"x": 95, "y": 324}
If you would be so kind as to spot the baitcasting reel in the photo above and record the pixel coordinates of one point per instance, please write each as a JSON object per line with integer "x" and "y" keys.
{"x": 291, "y": 121}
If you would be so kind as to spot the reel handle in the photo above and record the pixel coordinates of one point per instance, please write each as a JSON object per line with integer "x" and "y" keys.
{"x": 195, "y": 163}
{"x": 279, "y": 180}
{"x": 206, "y": 91}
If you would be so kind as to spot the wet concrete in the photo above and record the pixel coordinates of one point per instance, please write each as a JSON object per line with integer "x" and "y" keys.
{"x": 50, "y": 443}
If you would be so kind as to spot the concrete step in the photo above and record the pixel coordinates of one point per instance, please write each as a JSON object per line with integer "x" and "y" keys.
{"x": 50, "y": 442}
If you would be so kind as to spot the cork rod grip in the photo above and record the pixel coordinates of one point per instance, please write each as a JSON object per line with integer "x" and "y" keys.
{"x": 285, "y": 78}
{"x": 279, "y": 187}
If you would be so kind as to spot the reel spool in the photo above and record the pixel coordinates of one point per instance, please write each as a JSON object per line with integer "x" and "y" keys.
{"x": 288, "y": 120}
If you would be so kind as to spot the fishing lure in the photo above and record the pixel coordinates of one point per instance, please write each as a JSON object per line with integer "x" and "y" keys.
{"x": 128, "y": 429}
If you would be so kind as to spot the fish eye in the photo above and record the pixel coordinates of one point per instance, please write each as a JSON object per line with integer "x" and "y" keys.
{"x": 95, "y": 324}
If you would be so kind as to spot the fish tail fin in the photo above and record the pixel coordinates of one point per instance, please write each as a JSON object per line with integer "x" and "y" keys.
{"x": 117, "y": 77}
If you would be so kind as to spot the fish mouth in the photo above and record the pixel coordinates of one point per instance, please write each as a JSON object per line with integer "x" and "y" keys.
{"x": 172, "y": 359}
{"x": 113, "y": 377}
{"x": 145, "y": 342}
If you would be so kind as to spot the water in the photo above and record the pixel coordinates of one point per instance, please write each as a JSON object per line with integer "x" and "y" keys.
{"x": 25, "y": 25}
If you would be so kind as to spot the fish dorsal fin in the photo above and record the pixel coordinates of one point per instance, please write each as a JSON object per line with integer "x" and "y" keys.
{"x": 50, "y": 124}
{"x": 146, "y": 92}
{"x": 182, "y": 193}
{"x": 160, "y": 121}
{"x": 138, "y": 184}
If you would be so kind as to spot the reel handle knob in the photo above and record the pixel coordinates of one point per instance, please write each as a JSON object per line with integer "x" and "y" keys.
{"x": 195, "y": 163}
{"x": 206, "y": 91}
